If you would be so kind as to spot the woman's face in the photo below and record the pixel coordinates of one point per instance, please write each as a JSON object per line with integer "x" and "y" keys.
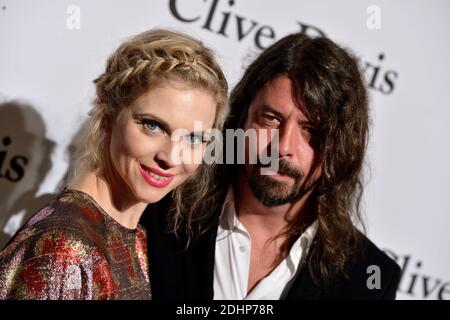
{"x": 154, "y": 146}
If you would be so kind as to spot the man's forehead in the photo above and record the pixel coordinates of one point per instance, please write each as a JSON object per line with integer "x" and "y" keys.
{"x": 278, "y": 96}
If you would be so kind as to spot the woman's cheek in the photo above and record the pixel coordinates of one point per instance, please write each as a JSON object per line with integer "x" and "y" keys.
{"x": 189, "y": 168}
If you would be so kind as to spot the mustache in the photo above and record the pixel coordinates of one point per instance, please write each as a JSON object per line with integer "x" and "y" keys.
{"x": 284, "y": 168}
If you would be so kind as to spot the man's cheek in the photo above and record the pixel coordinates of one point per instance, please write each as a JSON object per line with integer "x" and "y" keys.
{"x": 268, "y": 154}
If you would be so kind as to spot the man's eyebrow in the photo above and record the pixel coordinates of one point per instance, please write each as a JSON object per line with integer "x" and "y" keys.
{"x": 267, "y": 108}
{"x": 162, "y": 122}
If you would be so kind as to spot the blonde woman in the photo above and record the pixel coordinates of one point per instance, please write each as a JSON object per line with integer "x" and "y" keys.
{"x": 87, "y": 243}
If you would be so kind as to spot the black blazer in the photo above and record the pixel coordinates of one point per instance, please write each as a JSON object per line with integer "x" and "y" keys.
{"x": 177, "y": 273}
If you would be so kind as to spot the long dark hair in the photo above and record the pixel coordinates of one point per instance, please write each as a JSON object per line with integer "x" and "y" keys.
{"x": 327, "y": 78}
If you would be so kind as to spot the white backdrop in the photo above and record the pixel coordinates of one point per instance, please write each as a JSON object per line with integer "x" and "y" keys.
{"x": 50, "y": 51}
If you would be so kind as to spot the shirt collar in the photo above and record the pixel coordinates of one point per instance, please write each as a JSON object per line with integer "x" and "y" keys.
{"x": 301, "y": 247}
{"x": 228, "y": 218}
{"x": 229, "y": 222}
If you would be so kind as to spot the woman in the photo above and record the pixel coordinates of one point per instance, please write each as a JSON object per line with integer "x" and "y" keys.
{"x": 87, "y": 243}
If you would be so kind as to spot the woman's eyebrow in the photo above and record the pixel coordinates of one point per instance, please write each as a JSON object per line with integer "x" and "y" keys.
{"x": 163, "y": 123}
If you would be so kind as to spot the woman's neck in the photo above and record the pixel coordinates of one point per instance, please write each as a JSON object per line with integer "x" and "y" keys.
{"x": 114, "y": 198}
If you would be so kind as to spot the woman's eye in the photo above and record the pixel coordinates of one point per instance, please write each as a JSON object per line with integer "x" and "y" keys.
{"x": 194, "y": 139}
{"x": 151, "y": 125}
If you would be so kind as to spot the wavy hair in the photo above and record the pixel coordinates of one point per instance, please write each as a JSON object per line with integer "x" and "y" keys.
{"x": 328, "y": 79}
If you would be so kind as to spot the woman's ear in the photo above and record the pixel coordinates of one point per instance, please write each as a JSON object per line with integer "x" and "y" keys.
{"x": 106, "y": 128}
{"x": 106, "y": 125}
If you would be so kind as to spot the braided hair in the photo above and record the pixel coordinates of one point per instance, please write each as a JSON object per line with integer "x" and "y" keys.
{"x": 147, "y": 60}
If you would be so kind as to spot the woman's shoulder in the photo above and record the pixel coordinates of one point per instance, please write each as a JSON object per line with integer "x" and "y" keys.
{"x": 51, "y": 253}
{"x": 52, "y": 264}
{"x": 68, "y": 217}
{"x": 64, "y": 226}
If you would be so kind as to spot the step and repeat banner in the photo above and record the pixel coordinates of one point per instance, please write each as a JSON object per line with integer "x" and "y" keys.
{"x": 51, "y": 50}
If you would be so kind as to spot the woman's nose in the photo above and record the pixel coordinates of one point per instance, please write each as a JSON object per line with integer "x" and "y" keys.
{"x": 167, "y": 157}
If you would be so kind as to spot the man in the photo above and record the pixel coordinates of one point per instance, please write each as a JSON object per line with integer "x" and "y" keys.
{"x": 289, "y": 235}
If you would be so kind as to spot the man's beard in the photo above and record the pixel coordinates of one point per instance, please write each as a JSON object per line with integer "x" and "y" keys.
{"x": 272, "y": 192}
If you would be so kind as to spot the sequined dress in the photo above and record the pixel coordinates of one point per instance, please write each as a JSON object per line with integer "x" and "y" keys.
{"x": 72, "y": 249}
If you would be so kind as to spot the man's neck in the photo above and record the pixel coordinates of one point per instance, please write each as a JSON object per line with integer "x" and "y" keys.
{"x": 265, "y": 226}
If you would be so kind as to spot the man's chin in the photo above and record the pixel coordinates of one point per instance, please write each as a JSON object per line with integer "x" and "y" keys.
{"x": 272, "y": 192}
{"x": 275, "y": 182}
{"x": 272, "y": 200}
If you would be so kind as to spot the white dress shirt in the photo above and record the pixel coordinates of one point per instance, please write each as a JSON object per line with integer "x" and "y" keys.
{"x": 232, "y": 260}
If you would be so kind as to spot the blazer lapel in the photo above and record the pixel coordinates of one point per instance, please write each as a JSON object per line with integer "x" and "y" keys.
{"x": 303, "y": 287}
{"x": 199, "y": 266}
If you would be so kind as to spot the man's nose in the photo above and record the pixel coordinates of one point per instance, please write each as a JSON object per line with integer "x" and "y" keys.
{"x": 288, "y": 139}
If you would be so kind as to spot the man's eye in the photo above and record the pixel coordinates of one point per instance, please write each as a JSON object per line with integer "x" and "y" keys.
{"x": 270, "y": 120}
{"x": 310, "y": 130}
{"x": 269, "y": 117}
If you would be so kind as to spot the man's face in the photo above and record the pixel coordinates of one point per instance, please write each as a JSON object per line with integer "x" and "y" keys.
{"x": 274, "y": 108}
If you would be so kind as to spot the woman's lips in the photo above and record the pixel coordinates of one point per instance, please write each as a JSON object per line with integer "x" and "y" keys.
{"x": 155, "y": 177}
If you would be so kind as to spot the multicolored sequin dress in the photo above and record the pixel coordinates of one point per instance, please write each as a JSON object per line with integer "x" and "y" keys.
{"x": 72, "y": 249}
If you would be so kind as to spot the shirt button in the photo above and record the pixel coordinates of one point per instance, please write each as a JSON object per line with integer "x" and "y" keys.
{"x": 242, "y": 248}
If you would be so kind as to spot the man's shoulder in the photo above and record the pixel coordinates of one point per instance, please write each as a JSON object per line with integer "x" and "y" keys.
{"x": 372, "y": 255}
{"x": 372, "y": 274}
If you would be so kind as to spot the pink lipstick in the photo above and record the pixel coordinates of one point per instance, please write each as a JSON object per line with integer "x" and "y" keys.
{"x": 155, "y": 177}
